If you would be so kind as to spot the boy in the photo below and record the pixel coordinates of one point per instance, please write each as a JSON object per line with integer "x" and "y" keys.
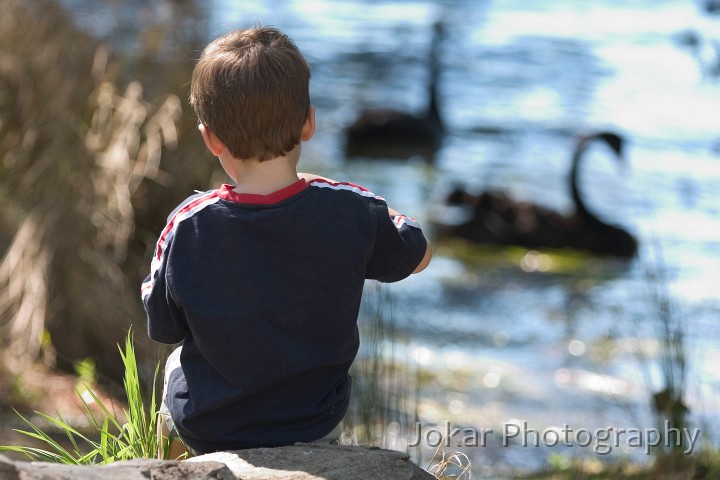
{"x": 262, "y": 280}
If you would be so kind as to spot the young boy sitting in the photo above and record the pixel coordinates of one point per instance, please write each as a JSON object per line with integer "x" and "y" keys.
{"x": 261, "y": 280}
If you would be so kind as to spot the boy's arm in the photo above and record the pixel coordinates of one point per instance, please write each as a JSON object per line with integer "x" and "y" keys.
{"x": 166, "y": 323}
{"x": 393, "y": 213}
{"x": 426, "y": 258}
{"x": 428, "y": 249}
{"x": 164, "y": 318}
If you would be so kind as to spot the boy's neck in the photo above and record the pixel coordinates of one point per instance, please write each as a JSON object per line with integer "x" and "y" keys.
{"x": 262, "y": 178}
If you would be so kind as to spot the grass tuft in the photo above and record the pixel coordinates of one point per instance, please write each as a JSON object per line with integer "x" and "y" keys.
{"x": 135, "y": 438}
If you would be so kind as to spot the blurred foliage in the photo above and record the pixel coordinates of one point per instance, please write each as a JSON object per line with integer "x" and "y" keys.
{"x": 89, "y": 170}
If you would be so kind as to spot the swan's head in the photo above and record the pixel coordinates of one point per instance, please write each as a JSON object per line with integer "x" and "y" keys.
{"x": 613, "y": 140}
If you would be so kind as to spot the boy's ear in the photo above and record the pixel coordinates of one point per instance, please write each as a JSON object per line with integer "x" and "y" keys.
{"x": 309, "y": 128}
{"x": 212, "y": 142}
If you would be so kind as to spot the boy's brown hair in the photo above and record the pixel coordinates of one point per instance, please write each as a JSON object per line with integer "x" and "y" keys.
{"x": 251, "y": 88}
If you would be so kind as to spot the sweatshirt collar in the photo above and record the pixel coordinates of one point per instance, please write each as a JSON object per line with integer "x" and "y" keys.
{"x": 227, "y": 192}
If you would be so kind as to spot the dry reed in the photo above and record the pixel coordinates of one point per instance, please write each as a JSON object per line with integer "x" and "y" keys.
{"x": 80, "y": 162}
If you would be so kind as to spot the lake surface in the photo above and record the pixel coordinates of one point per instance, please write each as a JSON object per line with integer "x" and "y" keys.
{"x": 503, "y": 341}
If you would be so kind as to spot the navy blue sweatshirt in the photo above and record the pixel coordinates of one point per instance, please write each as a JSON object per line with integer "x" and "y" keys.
{"x": 264, "y": 292}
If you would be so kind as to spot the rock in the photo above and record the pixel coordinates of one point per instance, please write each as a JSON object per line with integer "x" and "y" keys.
{"x": 318, "y": 462}
{"x": 130, "y": 470}
{"x": 298, "y": 462}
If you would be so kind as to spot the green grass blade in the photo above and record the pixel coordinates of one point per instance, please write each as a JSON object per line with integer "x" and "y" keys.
{"x": 70, "y": 434}
{"x": 105, "y": 410}
{"x": 66, "y": 428}
{"x": 36, "y": 454}
{"x": 38, "y": 434}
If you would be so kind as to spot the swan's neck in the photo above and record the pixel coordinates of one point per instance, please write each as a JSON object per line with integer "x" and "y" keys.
{"x": 580, "y": 207}
{"x": 433, "y": 107}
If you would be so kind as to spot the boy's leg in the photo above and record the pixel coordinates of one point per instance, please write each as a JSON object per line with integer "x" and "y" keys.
{"x": 170, "y": 443}
{"x": 168, "y": 438}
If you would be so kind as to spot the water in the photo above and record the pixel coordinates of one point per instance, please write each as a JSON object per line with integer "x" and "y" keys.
{"x": 519, "y": 79}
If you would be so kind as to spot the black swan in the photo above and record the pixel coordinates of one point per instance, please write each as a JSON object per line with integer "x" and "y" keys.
{"x": 497, "y": 219}
{"x": 385, "y": 133}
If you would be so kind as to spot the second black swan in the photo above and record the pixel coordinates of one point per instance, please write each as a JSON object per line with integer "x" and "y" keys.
{"x": 498, "y": 219}
{"x": 396, "y": 134}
